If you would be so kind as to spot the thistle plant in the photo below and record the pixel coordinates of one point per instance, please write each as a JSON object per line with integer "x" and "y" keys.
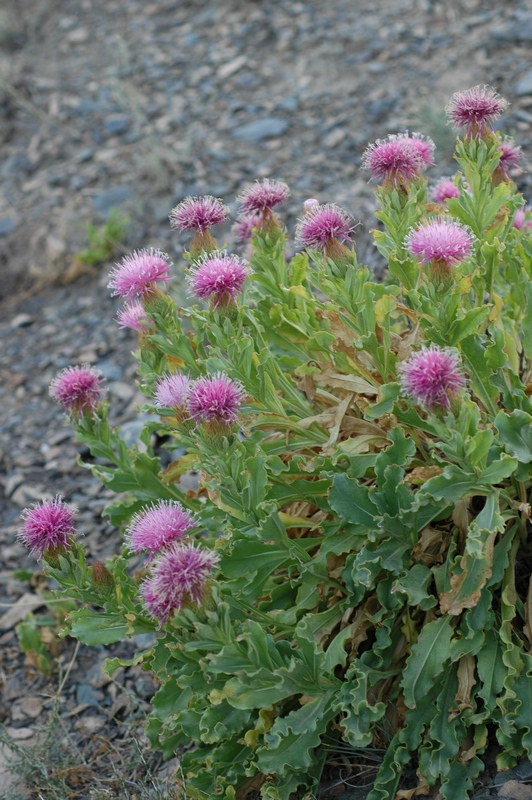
{"x": 354, "y": 567}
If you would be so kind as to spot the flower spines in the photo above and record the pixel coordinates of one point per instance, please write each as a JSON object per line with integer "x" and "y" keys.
{"x": 440, "y": 240}
{"x": 433, "y": 378}
{"x": 261, "y": 198}
{"x": 133, "y": 316}
{"x": 218, "y": 277}
{"x": 138, "y": 273}
{"x": 48, "y": 528}
{"x": 321, "y": 225}
{"x": 158, "y": 526}
{"x": 510, "y": 154}
{"x": 179, "y": 577}
{"x": 398, "y": 160}
{"x": 445, "y": 190}
{"x": 475, "y": 110}
{"x": 199, "y": 214}
{"x": 171, "y": 391}
{"x": 215, "y": 400}
{"x": 78, "y": 390}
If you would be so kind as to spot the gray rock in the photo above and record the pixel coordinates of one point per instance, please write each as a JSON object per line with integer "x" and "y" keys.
{"x": 518, "y": 31}
{"x": 115, "y": 197}
{"x": 110, "y": 370}
{"x": 87, "y": 696}
{"x": 6, "y": 225}
{"x": 523, "y": 770}
{"x": 267, "y": 128}
{"x": 524, "y": 86}
{"x": 85, "y": 155}
{"x": 117, "y": 124}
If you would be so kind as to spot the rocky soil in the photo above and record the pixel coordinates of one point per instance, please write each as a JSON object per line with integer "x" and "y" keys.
{"x": 134, "y": 105}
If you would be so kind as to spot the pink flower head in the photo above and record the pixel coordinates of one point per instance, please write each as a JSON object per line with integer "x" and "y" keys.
{"x": 180, "y": 576}
{"x": 263, "y": 195}
{"x": 442, "y": 241}
{"x": 215, "y": 399}
{"x": 244, "y": 227}
{"x": 158, "y": 526}
{"x": 432, "y": 377}
{"x": 444, "y": 190}
{"x": 133, "y": 316}
{"x": 48, "y": 526}
{"x": 422, "y": 145}
{"x": 171, "y": 391}
{"x": 523, "y": 217}
{"x": 78, "y": 390}
{"x": 321, "y": 225}
{"x": 218, "y": 276}
{"x": 475, "y": 110}
{"x": 198, "y": 213}
{"x": 138, "y": 272}
{"x": 510, "y": 154}
{"x": 398, "y": 160}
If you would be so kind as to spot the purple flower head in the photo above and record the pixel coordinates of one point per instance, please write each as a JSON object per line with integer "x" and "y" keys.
{"x": 510, "y": 154}
{"x": 78, "y": 390}
{"x": 158, "y": 526}
{"x": 398, "y": 160}
{"x": 475, "y": 110}
{"x": 218, "y": 276}
{"x": 171, "y": 391}
{"x": 262, "y": 196}
{"x": 244, "y": 227}
{"x": 179, "y": 577}
{"x": 138, "y": 272}
{"x": 432, "y": 377}
{"x": 422, "y": 146}
{"x": 198, "y": 213}
{"x": 48, "y": 526}
{"x": 443, "y": 241}
{"x": 444, "y": 190}
{"x": 215, "y": 399}
{"x": 322, "y": 224}
{"x": 133, "y": 316}
{"x": 523, "y": 218}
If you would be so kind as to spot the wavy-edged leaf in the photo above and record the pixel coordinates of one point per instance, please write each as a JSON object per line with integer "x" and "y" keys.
{"x": 427, "y": 660}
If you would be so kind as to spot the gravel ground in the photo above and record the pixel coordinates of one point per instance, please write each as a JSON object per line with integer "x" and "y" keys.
{"x": 134, "y": 105}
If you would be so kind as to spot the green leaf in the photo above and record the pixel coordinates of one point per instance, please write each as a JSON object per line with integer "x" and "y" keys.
{"x": 388, "y": 394}
{"x": 475, "y": 564}
{"x": 104, "y": 628}
{"x": 352, "y": 502}
{"x": 452, "y": 485}
{"x": 515, "y": 433}
{"x": 427, "y": 660}
{"x": 292, "y": 739}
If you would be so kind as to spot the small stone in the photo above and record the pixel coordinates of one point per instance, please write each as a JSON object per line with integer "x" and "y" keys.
{"x": 267, "y": 128}
{"x": 31, "y": 706}
{"x": 25, "y": 495}
{"x": 524, "y": 85}
{"x": 515, "y": 791}
{"x": 19, "y": 734}
{"x": 6, "y": 225}
{"x": 28, "y": 602}
{"x": 12, "y": 482}
{"x": 21, "y": 321}
{"x": 117, "y": 124}
{"x": 87, "y": 696}
{"x": 123, "y": 391}
{"x": 523, "y": 770}
{"x": 86, "y": 154}
{"x": 226, "y": 70}
{"x": 88, "y": 726}
{"x": 115, "y": 197}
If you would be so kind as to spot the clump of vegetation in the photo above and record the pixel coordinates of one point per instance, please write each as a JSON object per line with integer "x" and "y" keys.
{"x": 353, "y": 569}
{"x": 105, "y": 241}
